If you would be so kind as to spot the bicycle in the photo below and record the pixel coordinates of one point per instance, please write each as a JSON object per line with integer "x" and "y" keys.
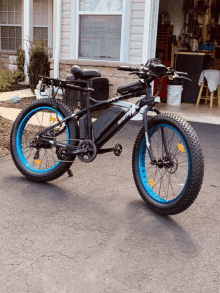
{"x": 167, "y": 159}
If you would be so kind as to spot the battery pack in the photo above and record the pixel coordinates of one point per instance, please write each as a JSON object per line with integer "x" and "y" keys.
{"x": 106, "y": 120}
{"x": 131, "y": 88}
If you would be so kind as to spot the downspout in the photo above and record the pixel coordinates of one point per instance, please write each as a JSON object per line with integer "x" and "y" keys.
{"x": 58, "y": 19}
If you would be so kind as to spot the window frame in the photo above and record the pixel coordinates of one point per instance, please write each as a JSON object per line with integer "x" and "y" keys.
{"x": 12, "y": 25}
{"x": 48, "y": 26}
{"x": 125, "y": 30}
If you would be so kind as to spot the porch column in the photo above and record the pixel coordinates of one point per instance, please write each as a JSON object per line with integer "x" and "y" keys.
{"x": 57, "y": 38}
{"x": 150, "y": 29}
{"x": 27, "y": 31}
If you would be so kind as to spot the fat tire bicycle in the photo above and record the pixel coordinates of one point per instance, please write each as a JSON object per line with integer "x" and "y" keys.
{"x": 167, "y": 159}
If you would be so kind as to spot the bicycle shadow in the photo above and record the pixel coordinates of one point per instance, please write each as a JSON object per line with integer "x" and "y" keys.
{"x": 53, "y": 194}
{"x": 163, "y": 228}
{"x": 137, "y": 220}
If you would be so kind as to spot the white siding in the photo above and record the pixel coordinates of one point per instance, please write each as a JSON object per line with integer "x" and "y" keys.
{"x": 136, "y": 32}
{"x": 65, "y": 30}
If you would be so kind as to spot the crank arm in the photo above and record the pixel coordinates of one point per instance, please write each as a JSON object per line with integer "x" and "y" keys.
{"x": 78, "y": 152}
{"x": 72, "y": 149}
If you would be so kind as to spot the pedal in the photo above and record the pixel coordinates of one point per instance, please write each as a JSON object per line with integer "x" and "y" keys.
{"x": 118, "y": 150}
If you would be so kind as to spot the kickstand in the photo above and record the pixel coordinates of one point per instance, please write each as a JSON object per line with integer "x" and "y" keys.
{"x": 70, "y": 173}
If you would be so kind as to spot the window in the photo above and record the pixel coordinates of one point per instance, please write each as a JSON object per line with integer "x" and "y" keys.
{"x": 40, "y": 20}
{"x": 100, "y": 29}
{"x": 10, "y": 24}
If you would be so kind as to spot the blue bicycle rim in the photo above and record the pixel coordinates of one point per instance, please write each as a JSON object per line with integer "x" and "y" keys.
{"x": 142, "y": 170}
{"x": 19, "y": 140}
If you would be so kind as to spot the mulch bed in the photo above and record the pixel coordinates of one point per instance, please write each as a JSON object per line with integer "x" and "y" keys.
{"x": 21, "y": 105}
{"x": 5, "y": 130}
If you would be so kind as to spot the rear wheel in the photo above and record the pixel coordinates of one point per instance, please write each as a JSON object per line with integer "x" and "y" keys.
{"x": 39, "y": 160}
{"x": 170, "y": 185}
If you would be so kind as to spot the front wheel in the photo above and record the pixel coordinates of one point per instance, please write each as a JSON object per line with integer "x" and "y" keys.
{"x": 170, "y": 185}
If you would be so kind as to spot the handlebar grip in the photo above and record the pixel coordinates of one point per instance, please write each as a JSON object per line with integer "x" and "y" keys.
{"x": 181, "y": 73}
{"x": 126, "y": 68}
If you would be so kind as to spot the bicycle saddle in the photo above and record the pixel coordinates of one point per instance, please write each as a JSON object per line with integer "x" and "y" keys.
{"x": 85, "y": 73}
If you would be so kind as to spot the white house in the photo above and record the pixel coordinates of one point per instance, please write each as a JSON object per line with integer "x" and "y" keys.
{"x": 99, "y": 34}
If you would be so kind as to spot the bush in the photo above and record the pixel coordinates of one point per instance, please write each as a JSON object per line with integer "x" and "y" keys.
{"x": 38, "y": 63}
{"x": 6, "y": 79}
{"x": 20, "y": 76}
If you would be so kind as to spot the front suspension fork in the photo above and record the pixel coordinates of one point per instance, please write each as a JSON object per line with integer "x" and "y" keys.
{"x": 148, "y": 144}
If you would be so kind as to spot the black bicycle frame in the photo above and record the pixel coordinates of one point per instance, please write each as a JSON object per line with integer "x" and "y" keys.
{"x": 132, "y": 111}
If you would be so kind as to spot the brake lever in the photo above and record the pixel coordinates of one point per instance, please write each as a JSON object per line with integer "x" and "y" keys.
{"x": 183, "y": 77}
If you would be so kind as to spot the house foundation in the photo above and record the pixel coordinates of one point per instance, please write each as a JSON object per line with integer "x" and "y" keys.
{"x": 8, "y": 60}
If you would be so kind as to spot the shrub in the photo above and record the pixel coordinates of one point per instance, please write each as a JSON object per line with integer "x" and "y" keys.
{"x": 20, "y": 64}
{"x": 18, "y": 76}
{"x": 38, "y": 63}
{"x": 6, "y": 78}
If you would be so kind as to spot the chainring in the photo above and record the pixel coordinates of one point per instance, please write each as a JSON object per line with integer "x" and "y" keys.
{"x": 91, "y": 153}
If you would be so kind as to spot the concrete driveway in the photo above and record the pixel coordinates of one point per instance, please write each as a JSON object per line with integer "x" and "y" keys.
{"x": 93, "y": 232}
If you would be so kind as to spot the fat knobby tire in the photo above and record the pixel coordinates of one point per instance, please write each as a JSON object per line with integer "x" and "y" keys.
{"x": 61, "y": 168}
{"x": 196, "y": 165}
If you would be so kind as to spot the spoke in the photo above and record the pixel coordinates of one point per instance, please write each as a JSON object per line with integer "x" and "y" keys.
{"x": 171, "y": 185}
{"x": 162, "y": 140}
{"x": 27, "y": 147}
{"x": 157, "y": 169}
{"x": 46, "y": 158}
{"x": 167, "y": 188}
{"x": 159, "y": 179}
{"x": 170, "y": 141}
{"x": 166, "y": 194}
{"x": 52, "y": 155}
{"x": 182, "y": 162}
{"x": 180, "y": 154}
{"x": 30, "y": 154}
{"x": 42, "y": 161}
{"x": 153, "y": 173}
{"x": 32, "y": 163}
{"x": 156, "y": 142}
{"x": 178, "y": 184}
{"x": 152, "y": 166}
{"x": 160, "y": 188}
{"x": 181, "y": 176}
{"x": 38, "y": 119}
{"x": 52, "y": 158}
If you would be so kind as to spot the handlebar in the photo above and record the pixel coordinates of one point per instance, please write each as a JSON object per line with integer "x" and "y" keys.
{"x": 126, "y": 68}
